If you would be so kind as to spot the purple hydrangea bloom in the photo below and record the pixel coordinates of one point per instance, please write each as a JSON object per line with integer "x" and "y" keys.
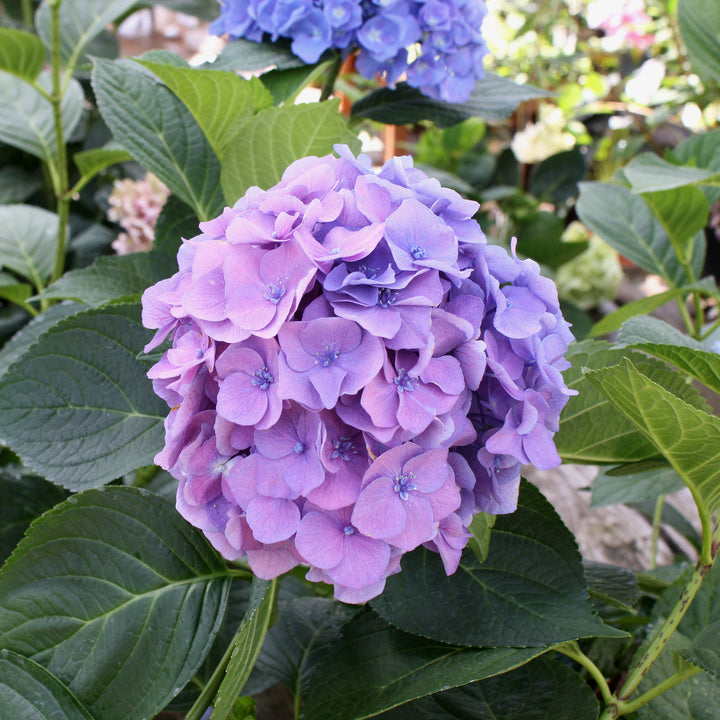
{"x": 448, "y": 32}
{"x": 353, "y": 371}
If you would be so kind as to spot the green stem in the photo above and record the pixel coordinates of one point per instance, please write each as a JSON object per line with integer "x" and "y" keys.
{"x": 657, "y": 519}
{"x": 699, "y": 314}
{"x": 332, "y": 76}
{"x": 573, "y": 651}
{"x": 211, "y": 688}
{"x": 27, "y": 13}
{"x": 710, "y": 330}
{"x": 671, "y": 682}
{"x": 682, "y": 307}
{"x": 61, "y": 168}
{"x": 658, "y": 643}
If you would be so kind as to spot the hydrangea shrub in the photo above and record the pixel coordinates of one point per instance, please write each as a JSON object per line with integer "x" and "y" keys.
{"x": 443, "y": 36}
{"x": 354, "y": 372}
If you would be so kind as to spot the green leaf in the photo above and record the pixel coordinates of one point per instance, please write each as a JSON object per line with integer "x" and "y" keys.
{"x": 21, "y": 53}
{"x": 480, "y": 534}
{"x": 648, "y": 173}
{"x": 540, "y": 237}
{"x": 624, "y": 221}
{"x": 112, "y": 279}
{"x": 28, "y": 334}
{"x": 79, "y": 408}
{"x": 91, "y": 162}
{"x": 159, "y": 132}
{"x": 494, "y": 98}
{"x": 16, "y": 185}
{"x": 705, "y": 651}
{"x": 26, "y": 116}
{"x": 30, "y": 692}
{"x": 274, "y": 138}
{"x": 688, "y": 437}
{"x": 505, "y": 601}
{"x": 670, "y": 516}
{"x": 247, "y": 644}
{"x": 26, "y": 497}
{"x": 665, "y": 342}
{"x": 643, "y": 306}
{"x": 27, "y": 241}
{"x": 592, "y": 430}
{"x": 176, "y": 221}
{"x": 17, "y": 293}
{"x": 556, "y": 179}
{"x": 375, "y": 667}
{"x": 115, "y": 594}
{"x": 284, "y": 85}
{"x": 683, "y": 213}
{"x": 242, "y": 55}
{"x": 699, "y": 21}
{"x": 81, "y": 21}
{"x": 544, "y": 689}
{"x": 611, "y": 584}
{"x": 220, "y": 101}
{"x": 611, "y": 489}
{"x": 703, "y": 151}
{"x": 299, "y": 640}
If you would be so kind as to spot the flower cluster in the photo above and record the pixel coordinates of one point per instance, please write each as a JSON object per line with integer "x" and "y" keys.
{"x": 624, "y": 22}
{"x": 136, "y": 205}
{"x": 447, "y": 32}
{"x": 354, "y": 372}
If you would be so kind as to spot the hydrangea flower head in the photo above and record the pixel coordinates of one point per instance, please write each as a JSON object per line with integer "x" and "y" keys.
{"x": 353, "y": 373}
{"x": 448, "y": 47}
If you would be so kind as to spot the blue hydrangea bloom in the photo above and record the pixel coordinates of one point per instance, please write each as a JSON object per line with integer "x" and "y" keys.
{"x": 448, "y": 47}
{"x": 353, "y": 372}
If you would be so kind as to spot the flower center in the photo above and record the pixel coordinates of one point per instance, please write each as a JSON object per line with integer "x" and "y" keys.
{"x": 274, "y": 293}
{"x": 404, "y": 485}
{"x": 418, "y": 252}
{"x": 343, "y": 448}
{"x": 299, "y": 447}
{"x": 262, "y": 378}
{"x": 386, "y": 297}
{"x": 327, "y": 356}
{"x": 349, "y": 530}
{"x": 404, "y": 381}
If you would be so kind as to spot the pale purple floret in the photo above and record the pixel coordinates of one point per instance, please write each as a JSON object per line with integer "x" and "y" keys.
{"x": 324, "y": 359}
{"x": 353, "y": 371}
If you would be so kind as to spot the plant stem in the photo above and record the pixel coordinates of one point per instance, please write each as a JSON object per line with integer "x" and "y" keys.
{"x": 332, "y": 76}
{"x": 671, "y": 682}
{"x": 27, "y": 13}
{"x": 208, "y": 692}
{"x": 61, "y": 168}
{"x": 573, "y": 651}
{"x": 656, "y": 646}
{"x": 657, "y": 519}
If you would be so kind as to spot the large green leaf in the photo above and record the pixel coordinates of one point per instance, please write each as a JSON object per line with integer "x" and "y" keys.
{"x": 91, "y": 162}
{"x": 494, "y": 98}
{"x": 665, "y": 342}
{"x": 703, "y": 151}
{"x": 246, "y": 646}
{"x": 26, "y": 497}
{"x": 112, "y": 279}
{"x": 21, "y": 53}
{"x": 274, "y": 138}
{"x": 611, "y": 488}
{"x": 30, "y": 692}
{"x": 159, "y": 132}
{"x": 544, "y": 689}
{"x": 220, "y": 101}
{"x": 241, "y": 55}
{"x": 373, "y": 667}
{"x": 592, "y": 430}
{"x": 284, "y": 85}
{"x": 176, "y": 221}
{"x": 26, "y": 116}
{"x": 611, "y": 584}
{"x": 625, "y": 221}
{"x": 28, "y": 334}
{"x": 27, "y": 241}
{"x": 688, "y": 437}
{"x": 705, "y": 650}
{"x": 699, "y": 22}
{"x": 556, "y": 178}
{"x": 529, "y": 592}
{"x": 81, "y": 21}
{"x": 115, "y": 594}
{"x": 79, "y": 408}
{"x": 299, "y": 640}
{"x": 648, "y": 173}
